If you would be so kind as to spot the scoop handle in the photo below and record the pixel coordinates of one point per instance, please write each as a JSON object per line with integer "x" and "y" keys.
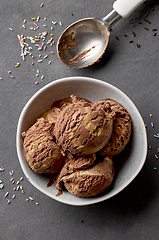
{"x": 126, "y": 7}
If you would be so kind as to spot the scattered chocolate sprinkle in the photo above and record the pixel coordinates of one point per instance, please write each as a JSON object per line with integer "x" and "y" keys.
{"x": 72, "y": 14}
{"x": 81, "y": 221}
{"x": 146, "y": 14}
{"x": 134, "y": 34}
{"x": 125, "y": 35}
{"x": 146, "y": 28}
{"x": 137, "y": 45}
{"x": 131, "y": 41}
{"x": 147, "y": 20}
{"x": 155, "y": 29}
{"x": 155, "y": 34}
{"x": 140, "y": 22}
{"x": 116, "y": 37}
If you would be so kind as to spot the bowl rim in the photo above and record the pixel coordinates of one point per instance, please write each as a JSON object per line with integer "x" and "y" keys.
{"x": 19, "y": 140}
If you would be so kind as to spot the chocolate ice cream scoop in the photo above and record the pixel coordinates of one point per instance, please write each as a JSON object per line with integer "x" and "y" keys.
{"x": 92, "y": 181}
{"x": 40, "y": 150}
{"x": 83, "y": 130}
{"x": 57, "y": 106}
{"x": 51, "y": 115}
{"x": 73, "y": 164}
{"x": 62, "y": 103}
{"x": 121, "y": 130}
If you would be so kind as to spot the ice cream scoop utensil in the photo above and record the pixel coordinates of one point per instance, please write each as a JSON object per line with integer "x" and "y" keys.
{"x": 84, "y": 42}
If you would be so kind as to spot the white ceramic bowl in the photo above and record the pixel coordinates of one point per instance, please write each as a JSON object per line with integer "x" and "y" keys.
{"x": 130, "y": 161}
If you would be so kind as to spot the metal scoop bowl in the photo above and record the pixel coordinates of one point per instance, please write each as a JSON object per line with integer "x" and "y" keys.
{"x": 84, "y": 42}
